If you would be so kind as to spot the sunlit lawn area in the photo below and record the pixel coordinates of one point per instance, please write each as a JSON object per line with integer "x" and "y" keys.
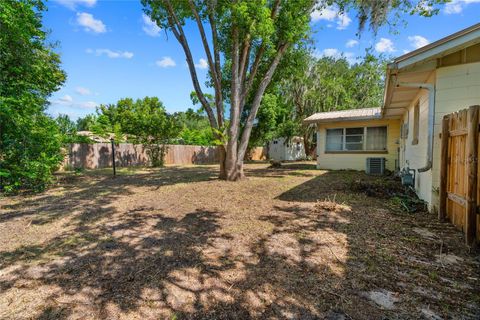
{"x": 293, "y": 242}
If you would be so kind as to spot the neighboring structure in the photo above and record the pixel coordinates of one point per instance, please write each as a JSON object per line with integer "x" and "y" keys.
{"x": 281, "y": 149}
{"x": 345, "y": 139}
{"x": 420, "y": 88}
{"x": 95, "y": 137}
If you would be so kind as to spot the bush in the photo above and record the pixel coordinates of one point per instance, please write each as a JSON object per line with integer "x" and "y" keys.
{"x": 31, "y": 152}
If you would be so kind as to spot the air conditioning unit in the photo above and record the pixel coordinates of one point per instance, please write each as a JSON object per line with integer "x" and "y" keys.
{"x": 375, "y": 166}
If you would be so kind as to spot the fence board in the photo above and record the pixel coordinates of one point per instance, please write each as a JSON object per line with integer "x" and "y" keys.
{"x": 459, "y": 192}
{"x": 99, "y": 155}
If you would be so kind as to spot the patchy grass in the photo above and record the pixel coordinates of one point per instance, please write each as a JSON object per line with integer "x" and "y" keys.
{"x": 288, "y": 242}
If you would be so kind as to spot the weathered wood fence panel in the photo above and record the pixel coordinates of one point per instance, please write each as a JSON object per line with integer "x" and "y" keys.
{"x": 99, "y": 155}
{"x": 459, "y": 188}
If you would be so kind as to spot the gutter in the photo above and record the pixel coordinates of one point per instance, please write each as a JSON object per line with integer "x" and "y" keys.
{"x": 431, "y": 118}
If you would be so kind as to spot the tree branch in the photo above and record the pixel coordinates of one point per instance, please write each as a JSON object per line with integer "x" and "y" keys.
{"x": 216, "y": 55}
{"x": 257, "y": 100}
{"x": 244, "y": 61}
{"x": 235, "y": 84}
{"x": 177, "y": 30}
{"x": 212, "y": 66}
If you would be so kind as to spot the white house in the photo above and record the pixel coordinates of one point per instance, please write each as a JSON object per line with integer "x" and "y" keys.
{"x": 420, "y": 88}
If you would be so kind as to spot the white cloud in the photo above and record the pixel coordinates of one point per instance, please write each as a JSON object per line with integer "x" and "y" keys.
{"x": 72, "y": 4}
{"x": 457, "y": 6}
{"x": 343, "y": 21}
{"x": 165, "y": 62}
{"x": 336, "y": 54}
{"x": 331, "y": 13}
{"x": 418, "y": 41}
{"x": 384, "y": 45}
{"x": 327, "y": 13}
{"x": 89, "y": 23}
{"x": 150, "y": 27}
{"x": 111, "y": 54}
{"x": 83, "y": 91}
{"x": 202, "y": 64}
{"x": 330, "y": 52}
{"x": 351, "y": 43}
{"x": 68, "y": 101}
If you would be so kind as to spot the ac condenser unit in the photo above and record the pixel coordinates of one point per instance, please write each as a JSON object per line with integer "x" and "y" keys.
{"x": 375, "y": 166}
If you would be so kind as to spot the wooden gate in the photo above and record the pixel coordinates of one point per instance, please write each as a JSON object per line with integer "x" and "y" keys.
{"x": 459, "y": 172}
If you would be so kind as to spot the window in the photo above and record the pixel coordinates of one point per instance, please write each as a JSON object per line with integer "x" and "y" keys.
{"x": 357, "y": 139}
{"x": 334, "y": 139}
{"x": 416, "y": 122}
{"x": 376, "y": 138}
{"x": 354, "y": 139}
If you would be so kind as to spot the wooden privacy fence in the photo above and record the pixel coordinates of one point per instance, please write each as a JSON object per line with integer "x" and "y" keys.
{"x": 459, "y": 171}
{"x": 99, "y": 155}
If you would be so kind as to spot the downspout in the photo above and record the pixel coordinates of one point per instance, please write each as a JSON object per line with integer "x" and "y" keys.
{"x": 431, "y": 118}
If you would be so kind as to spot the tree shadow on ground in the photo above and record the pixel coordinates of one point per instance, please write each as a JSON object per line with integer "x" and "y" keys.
{"x": 112, "y": 266}
{"x": 96, "y": 193}
{"x": 288, "y": 169}
{"x": 325, "y": 251}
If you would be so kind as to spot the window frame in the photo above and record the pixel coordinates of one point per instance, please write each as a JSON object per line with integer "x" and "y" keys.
{"x": 364, "y": 140}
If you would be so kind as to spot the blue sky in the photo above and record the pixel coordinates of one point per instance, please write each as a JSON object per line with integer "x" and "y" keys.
{"x": 110, "y": 50}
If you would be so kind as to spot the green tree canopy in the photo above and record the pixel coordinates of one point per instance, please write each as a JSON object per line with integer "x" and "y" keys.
{"x": 144, "y": 121}
{"x": 29, "y": 73}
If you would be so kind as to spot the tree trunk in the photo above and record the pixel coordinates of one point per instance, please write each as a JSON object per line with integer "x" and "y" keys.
{"x": 221, "y": 158}
{"x": 306, "y": 144}
{"x": 230, "y": 170}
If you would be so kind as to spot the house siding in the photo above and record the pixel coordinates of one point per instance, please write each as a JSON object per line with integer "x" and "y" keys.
{"x": 353, "y": 161}
{"x": 457, "y": 88}
{"x": 412, "y": 155}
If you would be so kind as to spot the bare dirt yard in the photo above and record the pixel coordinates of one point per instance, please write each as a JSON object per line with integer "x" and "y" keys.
{"x": 176, "y": 243}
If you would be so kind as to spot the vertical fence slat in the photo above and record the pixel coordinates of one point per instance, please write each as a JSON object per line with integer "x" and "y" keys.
{"x": 442, "y": 212}
{"x": 472, "y": 162}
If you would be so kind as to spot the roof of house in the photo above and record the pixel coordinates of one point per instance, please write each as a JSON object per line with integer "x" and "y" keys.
{"x": 417, "y": 67}
{"x": 442, "y": 47}
{"x": 345, "y": 115}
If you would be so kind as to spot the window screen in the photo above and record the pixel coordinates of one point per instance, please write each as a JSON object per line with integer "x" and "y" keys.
{"x": 354, "y": 139}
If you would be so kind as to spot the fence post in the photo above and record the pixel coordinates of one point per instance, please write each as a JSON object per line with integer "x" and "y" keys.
{"x": 472, "y": 163}
{"x": 112, "y": 140}
{"x": 442, "y": 212}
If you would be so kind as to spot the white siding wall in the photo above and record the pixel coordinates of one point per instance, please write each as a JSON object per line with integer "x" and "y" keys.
{"x": 415, "y": 155}
{"x": 457, "y": 88}
{"x": 356, "y": 161}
